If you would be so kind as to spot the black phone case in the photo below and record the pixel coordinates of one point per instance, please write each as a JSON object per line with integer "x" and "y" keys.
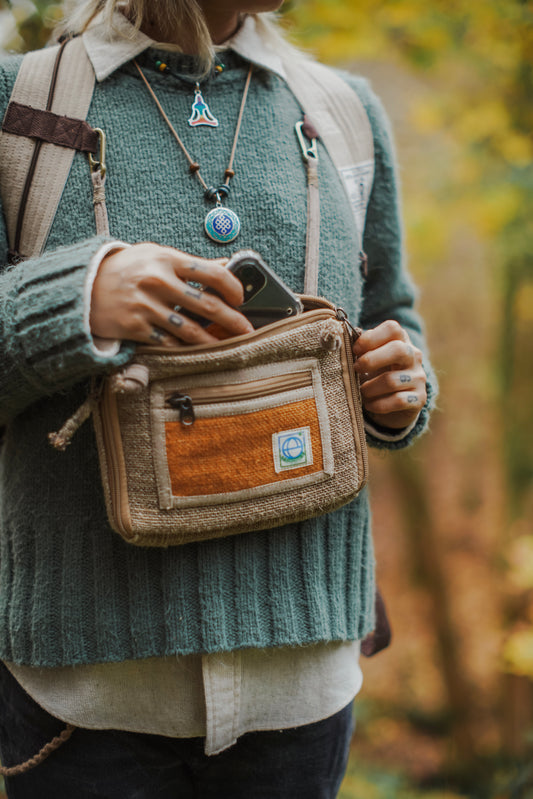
{"x": 273, "y": 300}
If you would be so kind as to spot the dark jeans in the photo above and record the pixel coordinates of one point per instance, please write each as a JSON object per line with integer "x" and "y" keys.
{"x": 305, "y": 762}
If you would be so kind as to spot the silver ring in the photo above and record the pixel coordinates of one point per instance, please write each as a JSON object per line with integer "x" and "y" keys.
{"x": 175, "y": 319}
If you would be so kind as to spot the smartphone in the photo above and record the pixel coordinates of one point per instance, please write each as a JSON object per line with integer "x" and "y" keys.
{"x": 266, "y": 297}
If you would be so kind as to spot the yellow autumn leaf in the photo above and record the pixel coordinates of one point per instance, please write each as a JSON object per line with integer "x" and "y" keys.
{"x": 10, "y": 38}
{"x": 518, "y": 653}
{"x": 54, "y": 13}
{"x": 516, "y": 148}
{"x": 401, "y": 14}
{"x": 495, "y": 208}
{"x": 427, "y": 236}
{"x": 467, "y": 171}
{"x": 427, "y": 117}
{"x": 23, "y": 9}
{"x": 355, "y": 787}
{"x": 520, "y": 557}
{"x": 435, "y": 38}
{"x": 483, "y": 119}
{"x": 524, "y": 312}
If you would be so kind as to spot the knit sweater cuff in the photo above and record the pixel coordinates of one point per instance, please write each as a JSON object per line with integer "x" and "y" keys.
{"x": 46, "y": 332}
{"x": 387, "y": 433}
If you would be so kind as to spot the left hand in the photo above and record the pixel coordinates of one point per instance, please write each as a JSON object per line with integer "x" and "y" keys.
{"x": 393, "y": 382}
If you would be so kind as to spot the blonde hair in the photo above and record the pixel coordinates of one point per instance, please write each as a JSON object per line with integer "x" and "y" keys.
{"x": 174, "y": 16}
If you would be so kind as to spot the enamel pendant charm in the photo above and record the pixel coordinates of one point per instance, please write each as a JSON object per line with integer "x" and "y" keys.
{"x": 201, "y": 115}
{"x": 222, "y": 225}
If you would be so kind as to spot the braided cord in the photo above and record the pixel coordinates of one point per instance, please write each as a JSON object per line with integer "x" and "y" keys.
{"x": 46, "y": 751}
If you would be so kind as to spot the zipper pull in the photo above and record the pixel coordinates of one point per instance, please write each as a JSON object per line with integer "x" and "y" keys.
{"x": 183, "y": 404}
{"x": 342, "y": 316}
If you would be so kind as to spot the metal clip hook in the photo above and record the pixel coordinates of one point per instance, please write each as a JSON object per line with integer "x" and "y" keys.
{"x": 95, "y": 164}
{"x": 307, "y": 151}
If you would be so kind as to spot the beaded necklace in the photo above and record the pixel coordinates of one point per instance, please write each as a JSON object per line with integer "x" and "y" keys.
{"x": 221, "y": 224}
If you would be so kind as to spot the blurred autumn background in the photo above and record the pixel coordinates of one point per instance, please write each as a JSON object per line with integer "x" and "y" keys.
{"x": 447, "y": 712}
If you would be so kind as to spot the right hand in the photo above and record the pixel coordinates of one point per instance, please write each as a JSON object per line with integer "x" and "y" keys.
{"x": 138, "y": 292}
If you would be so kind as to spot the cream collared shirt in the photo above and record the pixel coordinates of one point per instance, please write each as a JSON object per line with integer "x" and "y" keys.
{"x": 220, "y": 696}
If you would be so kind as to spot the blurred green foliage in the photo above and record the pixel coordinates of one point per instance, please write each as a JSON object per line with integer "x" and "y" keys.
{"x": 479, "y": 59}
{"x": 27, "y": 24}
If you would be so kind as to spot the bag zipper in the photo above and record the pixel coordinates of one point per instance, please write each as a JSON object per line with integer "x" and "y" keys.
{"x": 185, "y": 401}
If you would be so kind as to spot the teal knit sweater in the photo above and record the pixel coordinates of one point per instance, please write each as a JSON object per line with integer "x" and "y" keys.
{"x": 71, "y": 590}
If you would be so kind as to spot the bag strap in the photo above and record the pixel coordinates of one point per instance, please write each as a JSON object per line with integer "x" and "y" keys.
{"x": 61, "y": 77}
{"x": 340, "y": 118}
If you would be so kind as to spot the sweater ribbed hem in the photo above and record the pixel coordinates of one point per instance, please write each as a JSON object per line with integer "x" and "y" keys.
{"x": 226, "y": 597}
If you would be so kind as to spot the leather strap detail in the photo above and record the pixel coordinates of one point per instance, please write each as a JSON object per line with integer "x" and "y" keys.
{"x": 34, "y": 172}
{"x": 35, "y": 155}
{"x": 22, "y": 120}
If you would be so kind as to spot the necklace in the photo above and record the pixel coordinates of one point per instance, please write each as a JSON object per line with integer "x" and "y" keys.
{"x": 221, "y": 224}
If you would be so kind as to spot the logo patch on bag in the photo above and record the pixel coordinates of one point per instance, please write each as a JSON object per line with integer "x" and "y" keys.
{"x": 292, "y": 449}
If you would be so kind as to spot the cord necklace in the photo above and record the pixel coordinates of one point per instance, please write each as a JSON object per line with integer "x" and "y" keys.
{"x": 221, "y": 224}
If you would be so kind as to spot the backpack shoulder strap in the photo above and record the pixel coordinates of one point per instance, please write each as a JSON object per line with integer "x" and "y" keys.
{"x": 343, "y": 125}
{"x": 72, "y": 97}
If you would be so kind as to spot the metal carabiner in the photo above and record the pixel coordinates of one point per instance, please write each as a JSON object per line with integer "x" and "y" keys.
{"x": 95, "y": 164}
{"x": 307, "y": 151}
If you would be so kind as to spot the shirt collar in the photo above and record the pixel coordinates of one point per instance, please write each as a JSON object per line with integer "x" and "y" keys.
{"x": 110, "y": 49}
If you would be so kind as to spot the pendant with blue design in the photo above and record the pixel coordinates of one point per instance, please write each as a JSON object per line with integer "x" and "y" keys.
{"x": 222, "y": 225}
{"x": 200, "y": 112}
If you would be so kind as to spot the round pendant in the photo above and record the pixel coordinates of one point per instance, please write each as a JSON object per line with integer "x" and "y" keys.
{"x": 222, "y": 225}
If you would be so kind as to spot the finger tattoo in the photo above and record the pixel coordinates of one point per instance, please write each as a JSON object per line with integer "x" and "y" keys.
{"x": 195, "y": 293}
{"x": 157, "y": 335}
{"x": 405, "y": 378}
{"x": 412, "y": 398}
{"x": 196, "y": 266}
{"x": 176, "y": 320}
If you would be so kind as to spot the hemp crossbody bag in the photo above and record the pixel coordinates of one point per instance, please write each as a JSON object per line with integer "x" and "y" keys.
{"x": 254, "y": 432}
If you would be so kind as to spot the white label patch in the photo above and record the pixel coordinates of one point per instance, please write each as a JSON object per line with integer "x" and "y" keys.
{"x": 292, "y": 449}
{"x": 358, "y": 180}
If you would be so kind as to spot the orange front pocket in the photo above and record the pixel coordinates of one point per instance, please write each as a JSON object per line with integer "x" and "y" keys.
{"x": 222, "y": 454}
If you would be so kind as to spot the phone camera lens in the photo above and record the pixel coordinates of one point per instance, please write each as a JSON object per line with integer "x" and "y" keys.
{"x": 248, "y": 273}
